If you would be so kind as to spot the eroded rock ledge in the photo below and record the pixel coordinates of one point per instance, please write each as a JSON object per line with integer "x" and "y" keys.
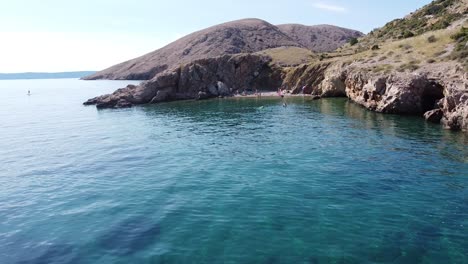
{"x": 439, "y": 100}
{"x": 212, "y": 77}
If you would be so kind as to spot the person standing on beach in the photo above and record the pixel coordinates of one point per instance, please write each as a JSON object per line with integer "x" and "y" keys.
{"x": 280, "y": 92}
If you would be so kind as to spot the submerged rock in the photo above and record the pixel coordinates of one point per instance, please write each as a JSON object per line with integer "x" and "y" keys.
{"x": 202, "y": 95}
{"x": 434, "y": 116}
{"x": 223, "y": 90}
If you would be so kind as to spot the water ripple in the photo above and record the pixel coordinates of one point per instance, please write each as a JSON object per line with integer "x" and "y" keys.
{"x": 224, "y": 181}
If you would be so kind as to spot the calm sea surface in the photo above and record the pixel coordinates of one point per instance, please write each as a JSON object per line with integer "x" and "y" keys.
{"x": 224, "y": 181}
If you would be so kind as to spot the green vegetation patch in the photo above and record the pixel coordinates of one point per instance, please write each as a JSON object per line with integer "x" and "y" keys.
{"x": 460, "y": 52}
{"x": 410, "y": 66}
{"x": 289, "y": 56}
{"x": 353, "y": 41}
{"x": 437, "y": 15}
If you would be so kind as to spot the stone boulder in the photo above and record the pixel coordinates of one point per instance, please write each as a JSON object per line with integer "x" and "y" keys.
{"x": 434, "y": 116}
{"x": 162, "y": 95}
{"x": 212, "y": 89}
{"x": 223, "y": 89}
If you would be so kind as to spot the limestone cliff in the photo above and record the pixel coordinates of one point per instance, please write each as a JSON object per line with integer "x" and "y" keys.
{"x": 440, "y": 100}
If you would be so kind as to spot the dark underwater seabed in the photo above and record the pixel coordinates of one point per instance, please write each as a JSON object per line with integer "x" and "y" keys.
{"x": 224, "y": 181}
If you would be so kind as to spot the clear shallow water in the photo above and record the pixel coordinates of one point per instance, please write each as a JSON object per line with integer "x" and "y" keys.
{"x": 224, "y": 181}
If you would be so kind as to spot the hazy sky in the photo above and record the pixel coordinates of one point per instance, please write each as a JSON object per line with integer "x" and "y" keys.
{"x": 61, "y": 35}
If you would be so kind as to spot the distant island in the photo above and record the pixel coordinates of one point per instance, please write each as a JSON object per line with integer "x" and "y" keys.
{"x": 44, "y": 75}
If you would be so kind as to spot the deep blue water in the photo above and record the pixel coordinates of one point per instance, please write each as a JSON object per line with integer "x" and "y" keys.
{"x": 224, "y": 181}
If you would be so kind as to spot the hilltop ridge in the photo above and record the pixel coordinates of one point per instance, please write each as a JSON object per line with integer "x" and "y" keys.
{"x": 319, "y": 38}
{"x": 235, "y": 37}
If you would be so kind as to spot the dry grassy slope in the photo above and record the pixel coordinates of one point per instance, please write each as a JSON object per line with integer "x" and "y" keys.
{"x": 289, "y": 56}
{"x": 433, "y": 26}
{"x": 319, "y": 38}
{"x": 435, "y": 53}
{"x": 412, "y": 54}
{"x": 439, "y": 14}
{"x": 441, "y": 53}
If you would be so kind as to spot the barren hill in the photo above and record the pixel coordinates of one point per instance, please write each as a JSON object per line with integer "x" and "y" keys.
{"x": 240, "y": 36}
{"x": 319, "y": 38}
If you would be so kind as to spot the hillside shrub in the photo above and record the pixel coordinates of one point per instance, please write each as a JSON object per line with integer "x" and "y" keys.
{"x": 461, "y": 49}
{"x": 323, "y": 56}
{"x": 408, "y": 34}
{"x": 353, "y": 41}
{"x": 431, "y": 39}
{"x": 460, "y": 35}
{"x": 411, "y": 66}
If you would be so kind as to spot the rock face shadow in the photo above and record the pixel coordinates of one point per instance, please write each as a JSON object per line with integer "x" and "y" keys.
{"x": 130, "y": 236}
{"x": 55, "y": 254}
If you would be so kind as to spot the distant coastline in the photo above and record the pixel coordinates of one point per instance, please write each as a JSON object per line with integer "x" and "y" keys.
{"x": 44, "y": 75}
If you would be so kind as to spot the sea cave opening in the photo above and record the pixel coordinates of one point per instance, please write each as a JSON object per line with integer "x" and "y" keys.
{"x": 431, "y": 95}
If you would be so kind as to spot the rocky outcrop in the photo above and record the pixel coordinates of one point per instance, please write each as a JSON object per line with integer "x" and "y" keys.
{"x": 394, "y": 94}
{"x": 437, "y": 99}
{"x": 455, "y": 106}
{"x": 434, "y": 116}
{"x": 201, "y": 79}
{"x": 413, "y": 94}
{"x": 333, "y": 84}
{"x": 308, "y": 76}
{"x": 321, "y": 80}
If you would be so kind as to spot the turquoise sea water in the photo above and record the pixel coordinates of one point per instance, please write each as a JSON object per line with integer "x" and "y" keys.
{"x": 224, "y": 181}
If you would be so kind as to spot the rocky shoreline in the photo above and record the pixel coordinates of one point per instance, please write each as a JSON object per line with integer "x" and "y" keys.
{"x": 416, "y": 65}
{"x": 439, "y": 100}
{"x": 201, "y": 79}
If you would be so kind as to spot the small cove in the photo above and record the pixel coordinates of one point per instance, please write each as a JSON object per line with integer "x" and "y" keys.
{"x": 225, "y": 180}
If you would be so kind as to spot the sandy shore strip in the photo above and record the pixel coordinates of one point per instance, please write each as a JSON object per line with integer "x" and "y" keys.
{"x": 269, "y": 94}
